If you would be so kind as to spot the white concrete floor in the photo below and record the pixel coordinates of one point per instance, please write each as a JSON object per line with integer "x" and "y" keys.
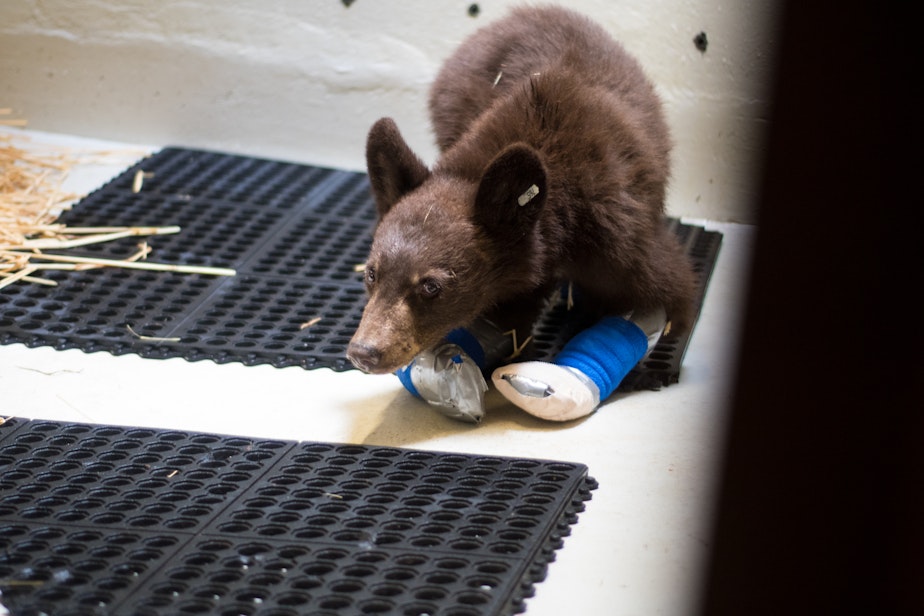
{"x": 638, "y": 549}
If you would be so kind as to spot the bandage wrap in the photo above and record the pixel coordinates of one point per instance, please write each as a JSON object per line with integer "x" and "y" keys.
{"x": 585, "y": 372}
{"x": 451, "y": 376}
{"x": 605, "y": 353}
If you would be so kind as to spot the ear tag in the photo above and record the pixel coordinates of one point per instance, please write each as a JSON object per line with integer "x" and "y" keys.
{"x": 528, "y": 196}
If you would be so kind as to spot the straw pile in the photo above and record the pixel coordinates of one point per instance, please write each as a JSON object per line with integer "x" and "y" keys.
{"x": 32, "y": 199}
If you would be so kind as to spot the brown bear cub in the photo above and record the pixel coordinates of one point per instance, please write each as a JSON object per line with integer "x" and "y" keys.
{"x": 553, "y": 167}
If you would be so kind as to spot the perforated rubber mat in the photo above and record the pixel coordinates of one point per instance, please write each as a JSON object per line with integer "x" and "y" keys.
{"x": 296, "y": 235}
{"x": 117, "y": 520}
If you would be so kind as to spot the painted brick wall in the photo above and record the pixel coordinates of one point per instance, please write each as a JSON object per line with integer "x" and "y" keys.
{"x": 304, "y": 79}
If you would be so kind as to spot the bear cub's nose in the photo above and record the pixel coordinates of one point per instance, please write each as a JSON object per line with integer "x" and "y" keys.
{"x": 363, "y": 356}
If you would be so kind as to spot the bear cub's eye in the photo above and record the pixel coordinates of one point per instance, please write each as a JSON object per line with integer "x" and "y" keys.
{"x": 370, "y": 275}
{"x": 430, "y": 288}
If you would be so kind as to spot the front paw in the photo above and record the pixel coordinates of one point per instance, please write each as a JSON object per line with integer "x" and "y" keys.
{"x": 547, "y": 391}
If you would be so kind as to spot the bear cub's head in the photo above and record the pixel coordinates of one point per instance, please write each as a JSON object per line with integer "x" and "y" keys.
{"x": 447, "y": 248}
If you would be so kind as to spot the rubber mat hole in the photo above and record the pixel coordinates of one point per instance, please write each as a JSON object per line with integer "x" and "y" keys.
{"x": 370, "y": 511}
{"x": 455, "y": 503}
{"x": 252, "y": 595}
{"x": 157, "y": 509}
{"x": 375, "y": 606}
{"x": 387, "y": 539}
{"x": 382, "y": 499}
{"x": 502, "y": 496}
{"x": 334, "y": 508}
{"x": 392, "y": 486}
{"x": 513, "y": 535}
{"x": 169, "y": 589}
{"x": 483, "y": 582}
{"x": 441, "y": 578}
{"x": 222, "y": 489}
{"x": 284, "y": 517}
{"x": 335, "y": 603}
{"x": 105, "y": 519}
{"x": 199, "y": 559}
{"x": 195, "y": 606}
{"x": 107, "y": 551}
{"x": 426, "y": 542}
{"x": 436, "y": 529}
{"x": 347, "y": 586}
{"x": 359, "y": 523}
{"x": 464, "y": 492}
{"x": 388, "y": 589}
{"x": 495, "y": 568}
{"x": 145, "y": 555}
{"x": 235, "y": 477}
{"x": 129, "y": 569}
{"x": 90, "y": 565}
{"x": 408, "y": 513}
{"x": 54, "y": 595}
{"x": 420, "y": 609}
{"x": 292, "y": 599}
{"x": 445, "y": 516}
{"x": 473, "y": 482}
{"x": 305, "y": 583}
{"x": 465, "y": 545}
{"x": 506, "y": 548}
{"x": 113, "y": 583}
{"x": 398, "y": 526}
{"x": 539, "y": 499}
{"x": 225, "y": 577}
{"x": 431, "y": 593}
{"x": 194, "y": 511}
{"x": 185, "y": 573}
{"x": 43, "y": 477}
{"x": 272, "y": 530}
{"x": 309, "y": 533}
{"x": 318, "y": 569}
{"x": 68, "y": 549}
{"x": 64, "y": 465}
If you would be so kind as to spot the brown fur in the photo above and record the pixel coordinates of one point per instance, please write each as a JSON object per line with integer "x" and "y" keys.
{"x": 572, "y": 114}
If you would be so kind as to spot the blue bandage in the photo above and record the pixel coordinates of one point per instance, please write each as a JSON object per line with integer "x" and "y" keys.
{"x": 605, "y": 353}
{"x": 467, "y": 341}
{"x": 460, "y": 337}
{"x": 404, "y": 375}
{"x": 449, "y": 377}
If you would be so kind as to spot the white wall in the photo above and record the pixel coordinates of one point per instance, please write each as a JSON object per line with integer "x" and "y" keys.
{"x": 304, "y": 79}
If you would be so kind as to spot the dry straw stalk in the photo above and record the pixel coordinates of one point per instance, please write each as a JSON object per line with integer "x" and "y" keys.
{"x": 31, "y": 200}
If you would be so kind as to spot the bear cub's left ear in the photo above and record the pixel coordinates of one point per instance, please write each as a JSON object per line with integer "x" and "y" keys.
{"x": 394, "y": 169}
{"x": 512, "y": 191}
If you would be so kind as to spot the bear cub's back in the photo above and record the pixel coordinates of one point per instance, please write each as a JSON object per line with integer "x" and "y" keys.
{"x": 503, "y": 55}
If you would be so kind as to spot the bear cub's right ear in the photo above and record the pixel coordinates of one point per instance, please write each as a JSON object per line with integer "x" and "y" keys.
{"x": 394, "y": 170}
{"x": 512, "y": 193}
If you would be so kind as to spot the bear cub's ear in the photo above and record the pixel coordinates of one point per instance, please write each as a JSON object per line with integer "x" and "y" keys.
{"x": 511, "y": 193}
{"x": 394, "y": 169}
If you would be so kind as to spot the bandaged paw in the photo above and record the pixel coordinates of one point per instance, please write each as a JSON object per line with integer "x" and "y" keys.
{"x": 449, "y": 380}
{"x": 586, "y": 371}
{"x": 547, "y": 391}
{"x": 450, "y": 377}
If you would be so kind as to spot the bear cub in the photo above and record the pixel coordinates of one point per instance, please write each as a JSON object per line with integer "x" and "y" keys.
{"x": 554, "y": 160}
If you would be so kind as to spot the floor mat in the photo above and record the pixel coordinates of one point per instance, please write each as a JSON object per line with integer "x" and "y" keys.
{"x": 297, "y": 236}
{"x": 118, "y": 520}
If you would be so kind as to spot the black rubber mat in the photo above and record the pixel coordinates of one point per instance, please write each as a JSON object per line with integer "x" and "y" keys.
{"x": 296, "y": 235}
{"x": 116, "y": 520}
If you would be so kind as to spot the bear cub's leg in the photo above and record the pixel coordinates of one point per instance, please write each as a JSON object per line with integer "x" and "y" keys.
{"x": 451, "y": 376}
{"x": 585, "y": 372}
